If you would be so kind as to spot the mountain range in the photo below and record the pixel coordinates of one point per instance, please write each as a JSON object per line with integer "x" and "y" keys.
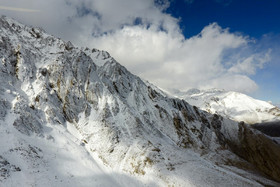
{"x": 73, "y": 116}
{"x": 232, "y": 105}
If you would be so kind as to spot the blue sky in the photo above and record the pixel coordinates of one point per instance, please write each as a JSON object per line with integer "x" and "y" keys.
{"x": 251, "y": 17}
{"x": 258, "y": 19}
{"x": 227, "y": 44}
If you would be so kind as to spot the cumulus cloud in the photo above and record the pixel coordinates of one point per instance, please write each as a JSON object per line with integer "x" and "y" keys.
{"x": 249, "y": 65}
{"x": 149, "y": 42}
{"x": 171, "y": 61}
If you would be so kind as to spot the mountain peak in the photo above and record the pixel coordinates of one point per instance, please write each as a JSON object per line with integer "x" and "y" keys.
{"x": 233, "y": 105}
{"x": 69, "y": 115}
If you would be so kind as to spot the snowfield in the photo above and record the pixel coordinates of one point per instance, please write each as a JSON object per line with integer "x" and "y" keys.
{"x": 76, "y": 117}
{"x": 233, "y": 105}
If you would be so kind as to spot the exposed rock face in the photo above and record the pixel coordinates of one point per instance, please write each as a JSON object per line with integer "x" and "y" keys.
{"x": 131, "y": 126}
{"x": 259, "y": 150}
{"x": 6, "y": 169}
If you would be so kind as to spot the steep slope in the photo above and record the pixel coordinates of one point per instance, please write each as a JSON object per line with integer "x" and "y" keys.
{"x": 61, "y": 105}
{"x": 270, "y": 128}
{"x": 37, "y": 150}
{"x": 233, "y": 105}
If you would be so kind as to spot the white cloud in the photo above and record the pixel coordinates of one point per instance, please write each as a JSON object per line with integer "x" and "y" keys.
{"x": 249, "y": 65}
{"x": 236, "y": 82}
{"x": 171, "y": 61}
{"x": 18, "y": 9}
{"x": 149, "y": 42}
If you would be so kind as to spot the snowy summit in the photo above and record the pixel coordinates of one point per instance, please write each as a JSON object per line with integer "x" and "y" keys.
{"x": 74, "y": 116}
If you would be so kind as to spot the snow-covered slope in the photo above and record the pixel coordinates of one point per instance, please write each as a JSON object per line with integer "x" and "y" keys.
{"x": 233, "y": 105}
{"x": 76, "y": 117}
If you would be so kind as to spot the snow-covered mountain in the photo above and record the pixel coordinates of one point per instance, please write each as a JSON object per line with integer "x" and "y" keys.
{"x": 232, "y": 105}
{"x": 75, "y": 117}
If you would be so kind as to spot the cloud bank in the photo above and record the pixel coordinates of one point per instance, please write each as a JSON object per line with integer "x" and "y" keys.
{"x": 149, "y": 42}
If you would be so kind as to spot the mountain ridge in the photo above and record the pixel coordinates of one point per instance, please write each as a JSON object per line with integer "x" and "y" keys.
{"x": 233, "y": 105}
{"x": 82, "y": 99}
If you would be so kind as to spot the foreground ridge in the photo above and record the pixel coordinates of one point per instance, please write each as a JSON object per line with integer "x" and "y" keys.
{"x": 76, "y": 117}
